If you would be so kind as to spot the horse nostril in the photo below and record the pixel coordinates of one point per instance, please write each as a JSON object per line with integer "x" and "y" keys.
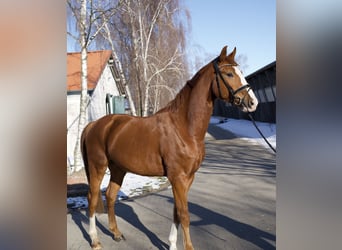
{"x": 251, "y": 103}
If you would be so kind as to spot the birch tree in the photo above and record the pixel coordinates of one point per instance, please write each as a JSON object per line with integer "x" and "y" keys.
{"x": 85, "y": 14}
{"x": 107, "y": 34}
{"x": 81, "y": 18}
{"x": 153, "y": 40}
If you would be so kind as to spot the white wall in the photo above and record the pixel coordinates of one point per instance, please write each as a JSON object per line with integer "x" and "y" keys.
{"x": 106, "y": 84}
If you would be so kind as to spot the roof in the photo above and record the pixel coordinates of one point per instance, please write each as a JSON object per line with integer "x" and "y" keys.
{"x": 267, "y": 67}
{"x": 97, "y": 61}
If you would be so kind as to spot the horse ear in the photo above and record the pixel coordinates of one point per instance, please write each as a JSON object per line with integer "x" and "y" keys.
{"x": 232, "y": 55}
{"x": 223, "y": 53}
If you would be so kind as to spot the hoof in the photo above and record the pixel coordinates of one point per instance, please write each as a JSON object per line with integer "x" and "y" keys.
{"x": 119, "y": 238}
{"x": 173, "y": 247}
{"x": 96, "y": 246}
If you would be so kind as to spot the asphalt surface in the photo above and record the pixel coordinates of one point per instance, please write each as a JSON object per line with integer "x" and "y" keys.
{"x": 232, "y": 204}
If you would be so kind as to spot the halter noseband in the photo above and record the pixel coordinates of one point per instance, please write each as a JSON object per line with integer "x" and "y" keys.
{"x": 235, "y": 99}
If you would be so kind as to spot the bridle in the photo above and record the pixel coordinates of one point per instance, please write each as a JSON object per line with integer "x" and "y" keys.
{"x": 234, "y": 99}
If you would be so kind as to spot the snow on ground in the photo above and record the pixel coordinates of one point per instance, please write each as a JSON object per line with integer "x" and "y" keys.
{"x": 135, "y": 185}
{"x": 246, "y": 130}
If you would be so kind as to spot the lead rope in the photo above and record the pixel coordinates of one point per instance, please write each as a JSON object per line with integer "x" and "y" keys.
{"x": 268, "y": 143}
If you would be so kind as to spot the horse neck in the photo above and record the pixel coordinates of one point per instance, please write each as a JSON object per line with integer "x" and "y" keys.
{"x": 200, "y": 106}
{"x": 193, "y": 106}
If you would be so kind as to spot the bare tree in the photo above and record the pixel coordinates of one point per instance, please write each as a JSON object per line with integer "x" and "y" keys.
{"x": 242, "y": 59}
{"x": 107, "y": 34}
{"x": 85, "y": 14}
{"x": 152, "y": 42}
{"x": 82, "y": 26}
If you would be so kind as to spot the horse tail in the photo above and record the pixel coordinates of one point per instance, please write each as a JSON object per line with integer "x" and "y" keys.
{"x": 84, "y": 150}
{"x": 100, "y": 206}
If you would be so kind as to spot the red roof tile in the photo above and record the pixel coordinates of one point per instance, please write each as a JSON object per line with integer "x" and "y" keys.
{"x": 97, "y": 61}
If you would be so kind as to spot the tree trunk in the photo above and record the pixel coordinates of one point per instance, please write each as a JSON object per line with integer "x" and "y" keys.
{"x": 84, "y": 88}
{"x": 136, "y": 58}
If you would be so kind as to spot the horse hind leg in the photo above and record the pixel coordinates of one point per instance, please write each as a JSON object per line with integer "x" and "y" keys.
{"x": 94, "y": 197}
{"x": 116, "y": 178}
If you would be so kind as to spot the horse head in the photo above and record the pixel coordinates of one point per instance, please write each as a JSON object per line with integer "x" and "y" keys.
{"x": 230, "y": 85}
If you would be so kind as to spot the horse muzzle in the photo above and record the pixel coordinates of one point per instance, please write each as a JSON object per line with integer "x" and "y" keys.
{"x": 249, "y": 103}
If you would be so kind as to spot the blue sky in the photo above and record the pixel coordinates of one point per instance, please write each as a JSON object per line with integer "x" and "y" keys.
{"x": 248, "y": 25}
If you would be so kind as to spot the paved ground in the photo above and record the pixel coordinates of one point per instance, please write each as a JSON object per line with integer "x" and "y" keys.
{"x": 232, "y": 204}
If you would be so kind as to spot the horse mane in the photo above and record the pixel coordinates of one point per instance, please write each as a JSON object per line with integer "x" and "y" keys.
{"x": 174, "y": 104}
{"x": 183, "y": 94}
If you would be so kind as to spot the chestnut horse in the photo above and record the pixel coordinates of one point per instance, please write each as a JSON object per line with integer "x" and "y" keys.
{"x": 169, "y": 143}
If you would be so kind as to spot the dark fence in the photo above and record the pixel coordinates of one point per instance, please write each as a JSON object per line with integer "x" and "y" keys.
{"x": 266, "y": 112}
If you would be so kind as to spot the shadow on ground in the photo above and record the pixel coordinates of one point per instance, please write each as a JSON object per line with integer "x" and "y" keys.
{"x": 242, "y": 230}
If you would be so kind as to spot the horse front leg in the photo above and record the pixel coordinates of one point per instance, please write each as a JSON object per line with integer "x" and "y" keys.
{"x": 180, "y": 188}
{"x": 174, "y": 230}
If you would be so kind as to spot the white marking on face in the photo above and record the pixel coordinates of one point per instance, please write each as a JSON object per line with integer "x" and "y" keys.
{"x": 238, "y": 72}
{"x": 251, "y": 94}
{"x": 173, "y": 237}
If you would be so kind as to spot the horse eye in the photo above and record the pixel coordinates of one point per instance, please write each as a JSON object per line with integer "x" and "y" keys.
{"x": 230, "y": 74}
